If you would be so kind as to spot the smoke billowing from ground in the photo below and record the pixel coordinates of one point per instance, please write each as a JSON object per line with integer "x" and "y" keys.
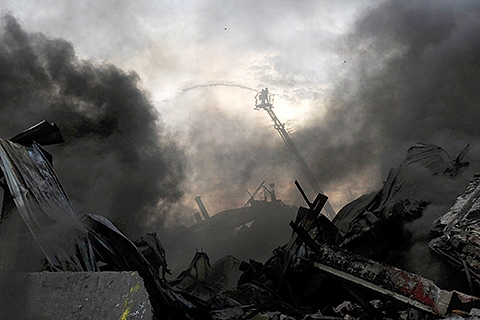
{"x": 410, "y": 74}
{"x": 228, "y": 153}
{"x": 441, "y": 192}
{"x": 413, "y": 77}
{"x": 118, "y": 160}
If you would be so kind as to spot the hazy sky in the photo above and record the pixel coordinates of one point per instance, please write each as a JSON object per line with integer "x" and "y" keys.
{"x": 175, "y": 44}
{"x": 327, "y": 62}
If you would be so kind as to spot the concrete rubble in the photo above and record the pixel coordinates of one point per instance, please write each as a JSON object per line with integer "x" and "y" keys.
{"x": 458, "y": 233}
{"x": 339, "y": 269}
{"x": 78, "y": 295}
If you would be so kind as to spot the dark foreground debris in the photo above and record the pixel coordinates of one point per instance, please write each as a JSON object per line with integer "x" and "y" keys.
{"x": 76, "y": 295}
{"x": 71, "y": 241}
{"x": 459, "y": 233}
{"x": 372, "y": 225}
{"x": 340, "y": 269}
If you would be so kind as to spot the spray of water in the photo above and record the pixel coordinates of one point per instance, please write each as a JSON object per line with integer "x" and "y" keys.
{"x": 220, "y": 84}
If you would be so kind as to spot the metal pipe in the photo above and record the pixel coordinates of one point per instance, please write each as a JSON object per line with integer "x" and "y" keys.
{"x": 202, "y": 208}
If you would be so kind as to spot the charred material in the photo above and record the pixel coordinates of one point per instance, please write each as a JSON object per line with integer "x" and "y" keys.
{"x": 387, "y": 281}
{"x": 459, "y": 231}
{"x": 71, "y": 241}
{"x": 205, "y": 281}
{"x": 313, "y": 276}
{"x": 373, "y": 225}
{"x": 296, "y": 278}
{"x": 44, "y": 133}
{"x": 119, "y": 253}
{"x": 151, "y": 248}
{"x": 45, "y": 208}
{"x": 252, "y": 231}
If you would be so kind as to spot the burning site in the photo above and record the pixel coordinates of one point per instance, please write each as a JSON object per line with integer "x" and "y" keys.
{"x": 240, "y": 160}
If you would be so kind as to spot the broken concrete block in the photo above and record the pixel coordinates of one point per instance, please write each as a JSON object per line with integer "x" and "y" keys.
{"x": 75, "y": 295}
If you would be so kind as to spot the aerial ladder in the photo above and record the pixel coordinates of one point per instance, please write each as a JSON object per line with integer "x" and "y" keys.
{"x": 264, "y": 100}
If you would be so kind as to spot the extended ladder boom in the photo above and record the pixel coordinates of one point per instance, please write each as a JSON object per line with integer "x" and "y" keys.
{"x": 264, "y": 101}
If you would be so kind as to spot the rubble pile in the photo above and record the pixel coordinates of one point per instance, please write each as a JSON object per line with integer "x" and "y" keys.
{"x": 458, "y": 233}
{"x": 263, "y": 219}
{"x": 69, "y": 240}
{"x": 339, "y": 269}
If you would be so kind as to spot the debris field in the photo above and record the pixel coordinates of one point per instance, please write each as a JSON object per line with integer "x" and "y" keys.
{"x": 350, "y": 267}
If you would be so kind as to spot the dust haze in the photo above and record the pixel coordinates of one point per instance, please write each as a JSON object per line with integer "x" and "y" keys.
{"x": 403, "y": 72}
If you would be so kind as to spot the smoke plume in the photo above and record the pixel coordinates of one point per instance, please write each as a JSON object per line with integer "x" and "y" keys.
{"x": 118, "y": 159}
{"x": 405, "y": 73}
{"x": 412, "y": 75}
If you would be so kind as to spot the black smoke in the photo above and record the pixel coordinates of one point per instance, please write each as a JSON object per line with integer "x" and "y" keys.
{"x": 118, "y": 160}
{"x": 411, "y": 74}
{"x": 405, "y": 73}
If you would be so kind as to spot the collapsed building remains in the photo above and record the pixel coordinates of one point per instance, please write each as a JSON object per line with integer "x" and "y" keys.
{"x": 458, "y": 233}
{"x": 69, "y": 240}
{"x": 340, "y": 269}
{"x": 262, "y": 219}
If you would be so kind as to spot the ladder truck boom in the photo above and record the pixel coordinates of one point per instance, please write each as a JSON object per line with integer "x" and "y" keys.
{"x": 264, "y": 100}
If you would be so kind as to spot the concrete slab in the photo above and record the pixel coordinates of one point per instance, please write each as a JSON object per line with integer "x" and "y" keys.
{"x": 74, "y": 295}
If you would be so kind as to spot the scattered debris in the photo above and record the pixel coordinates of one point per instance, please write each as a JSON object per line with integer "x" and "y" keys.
{"x": 459, "y": 230}
{"x": 152, "y": 249}
{"x": 207, "y": 282}
{"x": 373, "y": 225}
{"x": 70, "y": 241}
{"x": 237, "y": 232}
{"x": 327, "y": 270}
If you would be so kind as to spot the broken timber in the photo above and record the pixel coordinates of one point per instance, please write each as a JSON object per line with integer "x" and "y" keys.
{"x": 305, "y": 220}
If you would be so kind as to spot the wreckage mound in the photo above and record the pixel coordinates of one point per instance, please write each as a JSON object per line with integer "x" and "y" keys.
{"x": 252, "y": 232}
{"x": 386, "y": 224}
{"x": 340, "y": 268}
{"x": 204, "y": 281}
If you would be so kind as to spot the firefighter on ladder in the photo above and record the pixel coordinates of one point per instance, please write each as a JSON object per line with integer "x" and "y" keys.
{"x": 264, "y": 96}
